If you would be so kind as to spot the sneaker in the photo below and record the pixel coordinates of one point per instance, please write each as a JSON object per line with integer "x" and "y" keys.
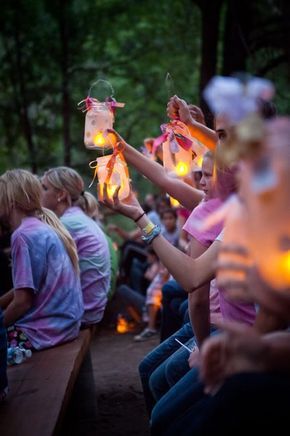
{"x": 146, "y": 334}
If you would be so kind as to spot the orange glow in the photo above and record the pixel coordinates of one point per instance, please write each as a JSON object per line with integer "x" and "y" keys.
{"x": 99, "y": 140}
{"x": 284, "y": 266}
{"x": 182, "y": 169}
{"x": 198, "y": 161}
{"x": 111, "y": 189}
{"x": 122, "y": 326}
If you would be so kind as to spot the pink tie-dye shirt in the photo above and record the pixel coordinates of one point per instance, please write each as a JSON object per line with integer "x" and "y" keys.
{"x": 94, "y": 261}
{"x": 41, "y": 264}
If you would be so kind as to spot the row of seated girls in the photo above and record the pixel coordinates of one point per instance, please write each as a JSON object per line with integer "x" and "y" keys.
{"x": 61, "y": 266}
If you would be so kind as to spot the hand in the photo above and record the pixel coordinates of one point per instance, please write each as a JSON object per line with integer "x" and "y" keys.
{"x": 238, "y": 349}
{"x": 178, "y": 109}
{"x": 130, "y": 207}
{"x": 193, "y": 360}
{"x": 249, "y": 285}
{"x": 232, "y": 267}
{"x": 196, "y": 113}
{"x": 119, "y": 137}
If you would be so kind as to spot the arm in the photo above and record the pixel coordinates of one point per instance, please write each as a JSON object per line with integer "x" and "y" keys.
{"x": 198, "y": 301}
{"x": 241, "y": 349}
{"x": 178, "y": 108}
{"x": 198, "y": 306}
{"x": 133, "y": 234}
{"x": 188, "y": 196}
{"x": 6, "y": 299}
{"x": 190, "y": 273}
{"x": 20, "y": 304}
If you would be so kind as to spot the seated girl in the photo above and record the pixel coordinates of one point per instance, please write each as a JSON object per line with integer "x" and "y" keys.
{"x": 63, "y": 192}
{"x": 45, "y": 306}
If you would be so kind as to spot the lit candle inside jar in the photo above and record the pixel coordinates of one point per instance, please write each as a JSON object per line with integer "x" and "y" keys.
{"x": 118, "y": 178}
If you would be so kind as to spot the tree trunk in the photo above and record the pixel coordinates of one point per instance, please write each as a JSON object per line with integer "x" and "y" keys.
{"x": 236, "y": 36}
{"x": 210, "y": 19}
{"x": 64, "y": 61}
{"x": 24, "y": 116}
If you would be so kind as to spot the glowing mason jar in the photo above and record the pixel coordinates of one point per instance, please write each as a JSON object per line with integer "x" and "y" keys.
{"x": 177, "y": 160}
{"x": 119, "y": 177}
{"x": 268, "y": 205}
{"x": 99, "y": 118}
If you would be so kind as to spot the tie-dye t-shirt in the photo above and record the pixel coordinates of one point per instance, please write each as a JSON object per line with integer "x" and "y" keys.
{"x": 94, "y": 261}
{"x": 40, "y": 262}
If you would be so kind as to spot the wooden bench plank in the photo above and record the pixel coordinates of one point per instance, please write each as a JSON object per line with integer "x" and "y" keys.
{"x": 40, "y": 388}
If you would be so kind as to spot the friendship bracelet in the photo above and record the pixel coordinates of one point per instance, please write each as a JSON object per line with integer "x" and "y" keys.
{"x": 139, "y": 217}
{"x": 148, "y": 238}
{"x": 148, "y": 228}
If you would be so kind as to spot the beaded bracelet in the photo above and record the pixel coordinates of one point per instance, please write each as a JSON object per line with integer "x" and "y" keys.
{"x": 148, "y": 238}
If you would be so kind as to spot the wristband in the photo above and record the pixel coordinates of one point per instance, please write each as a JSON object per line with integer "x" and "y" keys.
{"x": 139, "y": 217}
{"x": 148, "y": 228}
{"x": 148, "y": 237}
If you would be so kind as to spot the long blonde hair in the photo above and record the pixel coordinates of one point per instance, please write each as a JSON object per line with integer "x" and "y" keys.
{"x": 19, "y": 189}
{"x": 69, "y": 180}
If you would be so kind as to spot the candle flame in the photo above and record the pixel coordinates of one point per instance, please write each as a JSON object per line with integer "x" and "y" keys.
{"x": 122, "y": 326}
{"x": 182, "y": 169}
{"x": 99, "y": 140}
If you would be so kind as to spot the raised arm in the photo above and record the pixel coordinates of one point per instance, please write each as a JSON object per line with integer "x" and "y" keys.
{"x": 190, "y": 115}
{"x": 190, "y": 273}
{"x": 188, "y": 196}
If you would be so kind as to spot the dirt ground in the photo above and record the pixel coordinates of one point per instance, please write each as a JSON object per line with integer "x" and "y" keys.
{"x": 111, "y": 403}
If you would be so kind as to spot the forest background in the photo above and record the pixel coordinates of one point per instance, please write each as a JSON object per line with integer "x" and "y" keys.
{"x": 53, "y": 50}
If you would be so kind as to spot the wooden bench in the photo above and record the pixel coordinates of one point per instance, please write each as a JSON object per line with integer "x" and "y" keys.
{"x": 40, "y": 389}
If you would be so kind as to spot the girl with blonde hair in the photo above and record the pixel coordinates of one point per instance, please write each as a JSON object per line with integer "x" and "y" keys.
{"x": 45, "y": 306}
{"x": 63, "y": 192}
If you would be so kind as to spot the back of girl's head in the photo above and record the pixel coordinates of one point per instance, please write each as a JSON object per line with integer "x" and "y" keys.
{"x": 69, "y": 180}
{"x": 21, "y": 190}
{"x": 92, "y": 207}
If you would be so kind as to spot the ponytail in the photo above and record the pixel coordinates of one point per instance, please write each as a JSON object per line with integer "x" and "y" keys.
{"x": 49, "y": 217}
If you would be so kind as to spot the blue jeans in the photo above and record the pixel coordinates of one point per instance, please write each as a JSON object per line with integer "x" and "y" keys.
{"x": 130, "y": 298}
{"x": 187, "y": 391}
{"x": 172, "y": 296}
{"x": 156, "y": 357}
{"x": 245, "y": 400}
{"x": 175, "y": 386}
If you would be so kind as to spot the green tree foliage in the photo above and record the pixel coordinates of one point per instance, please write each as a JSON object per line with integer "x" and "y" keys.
{"x": 51, "y": 51}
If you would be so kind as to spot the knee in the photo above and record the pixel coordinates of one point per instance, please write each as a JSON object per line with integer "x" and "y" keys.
{"x": 144, "y": 368}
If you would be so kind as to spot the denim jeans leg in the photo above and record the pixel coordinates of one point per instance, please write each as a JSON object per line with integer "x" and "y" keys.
{"x": 181, "y": 396}
{"x": 156, "y": 357}
{"x": 170, "y": 319}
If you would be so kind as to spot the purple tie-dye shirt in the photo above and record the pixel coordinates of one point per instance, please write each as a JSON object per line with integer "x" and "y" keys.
{"x": 94, "y": 261}
{"x": 40, "y": 262}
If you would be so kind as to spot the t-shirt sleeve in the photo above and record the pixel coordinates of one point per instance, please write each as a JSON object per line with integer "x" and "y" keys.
{"x": 22, "y": 271}
{"x": 193, "y": 225}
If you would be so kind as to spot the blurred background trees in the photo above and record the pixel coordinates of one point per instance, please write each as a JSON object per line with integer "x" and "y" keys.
{"x": 52, "y": 51}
